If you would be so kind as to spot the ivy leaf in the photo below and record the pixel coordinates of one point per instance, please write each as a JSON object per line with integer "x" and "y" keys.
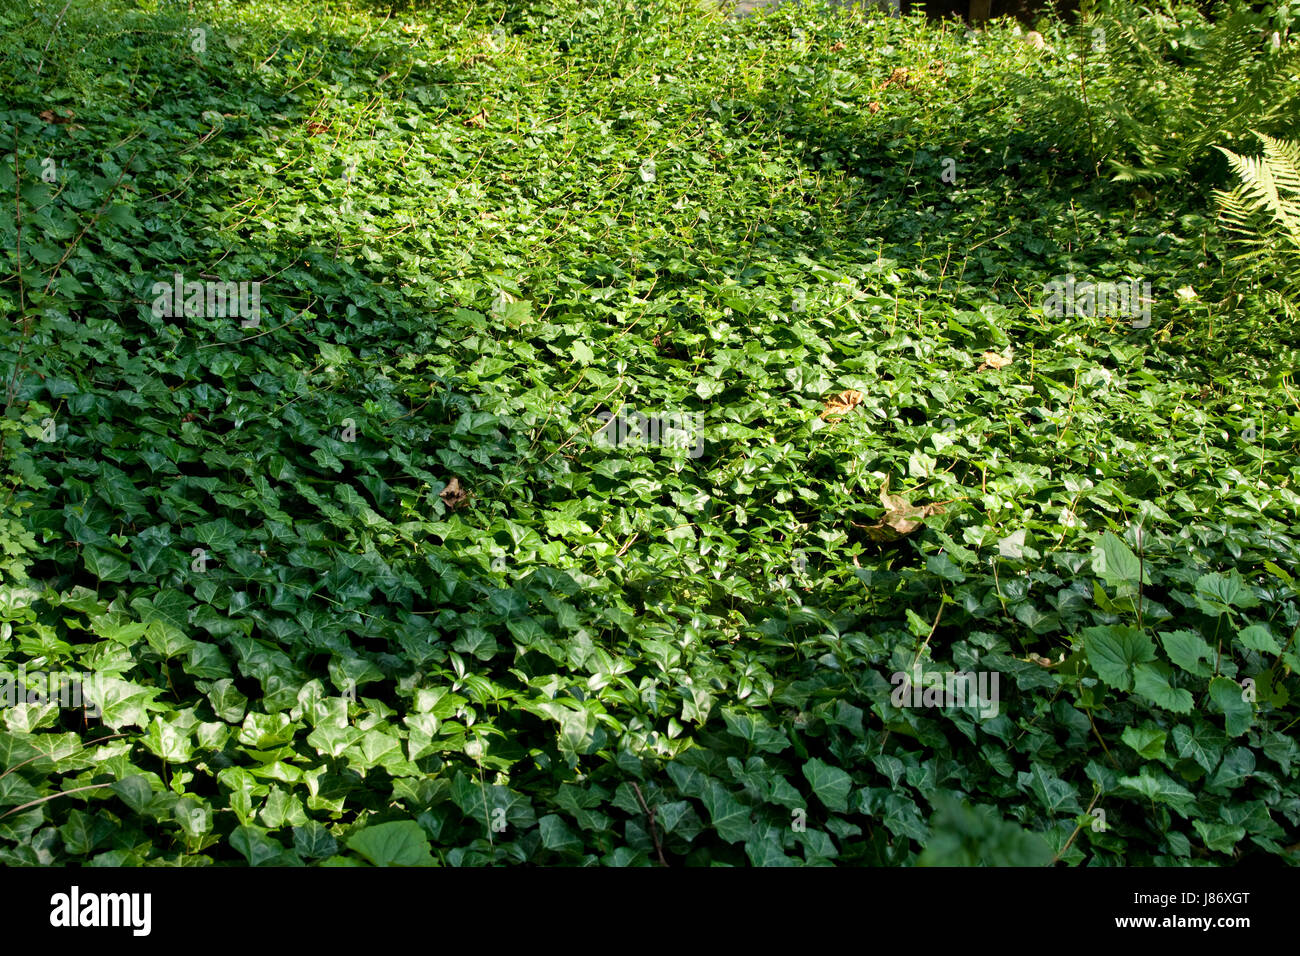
{"x": 690, "y": 780}
{"x": 976, "y": 836}
{"x": 943, "y": 566}
{"x": 1151, "y": 681}
{"x": 256, "y": 846}
{"x": 121, "y": 703}
{"x": 1160, "y": 788}
{"x": 220, "y": 535}
{"x": 168, "y": 641}
{"x": 399, "y": 843}
{"x": 767, "y": 851}
{"x": 1148, "y": 742}
{"x": 1189, "y": 651}
{"x": 283, "y": 809}
{"x": 168, "y": 606}
{"x": 312, "y": 840}
{"x": 831, "y": 784}
{"x": 1056, "y": 795}
{"x": 729, "y": 817}
{"x": 557, "y": 836}
{"x": 1217, "y": 593}
{"x": 1219, "y": 837}
{"x": 1258, "y": 637}
{"x": 477, "y": 642}
{"x": 83, "y": 832}
{"x": 1114, "y": 650}
{"x": 106, "y": 564}
{"x": 1228, "y": 697}
{"x": 1114, "y": 562}
{"x": 227, "y": 702}
{"x": 1199, "y": 742}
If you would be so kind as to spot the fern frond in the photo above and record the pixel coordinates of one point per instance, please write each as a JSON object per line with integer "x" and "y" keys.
{"x": 1284, "y": 161}
{"x": 1269, "y": 188}
{"x": 1264, "y": 210}
{"x": 1157, "y": 92}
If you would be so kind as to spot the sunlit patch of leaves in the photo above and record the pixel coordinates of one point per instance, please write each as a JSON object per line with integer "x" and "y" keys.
{"x": 361, "y": 589}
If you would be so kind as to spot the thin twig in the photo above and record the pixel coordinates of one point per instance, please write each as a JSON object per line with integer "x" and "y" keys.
{"x": 93, "y": 219}
{"x": 61, "y": 793}
{"x": 97, "y": 740}
{"x": 654, "y": 830}
{"x": 57, "y": 23}
{"x": 1077, "y": 828}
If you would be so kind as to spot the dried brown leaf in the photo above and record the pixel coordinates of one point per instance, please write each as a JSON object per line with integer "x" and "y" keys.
{"x": 900, "y": 77}
{"x": 454, "y": 496}
{"x": 901, "y": 517}
{"x": 1042, "y": 661}
{"x": 994, "y": 361}
{"x": 845, "y": 401}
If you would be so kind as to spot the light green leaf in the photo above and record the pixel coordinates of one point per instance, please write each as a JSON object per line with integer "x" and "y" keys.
{"x": 400, "y": 843}
{"x": 1151, "y": 682}
{"x": 1258, "y": 637}
{"x": 1159, "y": 787}
{"x": 1229, "y": 698}
{"x": 1114, "y": 562}
{"x": 1219, "y": 837}
{"x": 1188, "y": 650}
{"x": 1149, "y": 742}
{"x": 1114, "y": 650}
{"x": 1216, "y": 593}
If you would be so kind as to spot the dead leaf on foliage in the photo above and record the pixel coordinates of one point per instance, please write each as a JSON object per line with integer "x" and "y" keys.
{"x": 873, "y": 107}
{"x": 843, "y": 402}
{"x": 1042, "y": 661}
{"x": 901, "y": 517}
{"x": 994, "y": 361}
{"x": 454, "y": 496}
{"x": 899, "y": 77}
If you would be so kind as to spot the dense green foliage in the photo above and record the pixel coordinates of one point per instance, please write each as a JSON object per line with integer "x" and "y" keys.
{"x": 360, "y": 586}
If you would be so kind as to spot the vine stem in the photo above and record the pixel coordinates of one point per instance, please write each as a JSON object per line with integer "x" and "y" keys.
{"x": 57, "y": 23}
{"x": 97, "y": 740}
{"x": 650, "y": 818}
{"x": 1077, "y": 828}
{"x": 61, "y": 793}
